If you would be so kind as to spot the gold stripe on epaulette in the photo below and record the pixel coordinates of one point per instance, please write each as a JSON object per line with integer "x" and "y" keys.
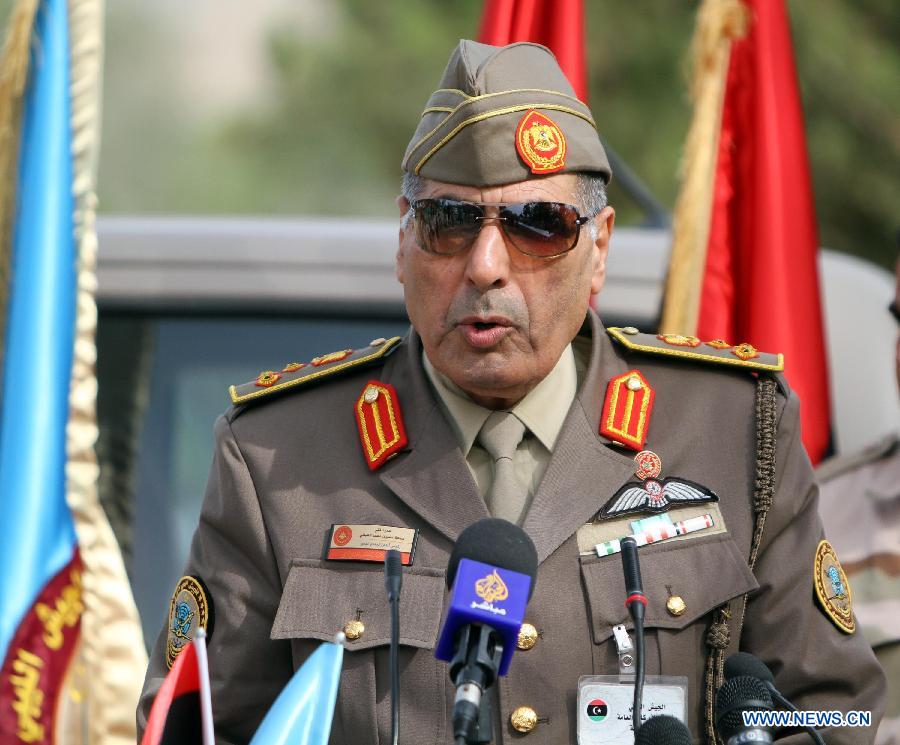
{"x": 627, "y": 342}
{"x": 319, "y": 373}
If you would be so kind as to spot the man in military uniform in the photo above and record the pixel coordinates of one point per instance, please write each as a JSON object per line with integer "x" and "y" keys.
{"x": 861, "y": 511}
{"x": 509, "y": 398}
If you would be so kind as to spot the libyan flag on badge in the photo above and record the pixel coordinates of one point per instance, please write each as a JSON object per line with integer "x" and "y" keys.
{"x": 597, "y": 710}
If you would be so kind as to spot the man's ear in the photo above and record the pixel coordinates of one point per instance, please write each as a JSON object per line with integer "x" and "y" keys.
{"x": 403, "y": 205}
{"x": 604, "y": 222}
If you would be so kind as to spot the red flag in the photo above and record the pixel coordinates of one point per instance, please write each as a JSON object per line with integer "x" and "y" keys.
{"x": 557, "y": 24}
{"x": 175, "y": 715}
{"x": 759, "y": 280}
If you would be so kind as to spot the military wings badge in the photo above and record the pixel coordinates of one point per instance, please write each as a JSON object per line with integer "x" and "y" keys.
{"x": 652, "y": 494}
{"x": 655, "y": 496}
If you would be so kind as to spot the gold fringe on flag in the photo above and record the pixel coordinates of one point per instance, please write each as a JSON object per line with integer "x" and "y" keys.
{"x": 719, "y": 22}
{"x": 13, "y": 76}
{"x": 112, "y": 656}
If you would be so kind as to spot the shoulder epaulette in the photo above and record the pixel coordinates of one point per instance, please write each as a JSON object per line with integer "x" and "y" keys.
{"x": 717, "y": 351}
{"x": 271, "y": 382}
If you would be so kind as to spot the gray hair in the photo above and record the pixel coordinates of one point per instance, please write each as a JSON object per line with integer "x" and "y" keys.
{"x": 590, "y": 196}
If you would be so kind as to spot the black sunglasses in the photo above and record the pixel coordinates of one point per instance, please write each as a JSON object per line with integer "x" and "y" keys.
{"x": 543, "y": 230}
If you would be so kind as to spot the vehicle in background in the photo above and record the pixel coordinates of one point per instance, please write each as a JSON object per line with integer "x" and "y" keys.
{"x": 188, "y": 306}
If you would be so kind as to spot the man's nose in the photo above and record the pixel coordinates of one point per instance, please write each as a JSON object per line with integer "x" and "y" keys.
{"x": 488, "y": 264}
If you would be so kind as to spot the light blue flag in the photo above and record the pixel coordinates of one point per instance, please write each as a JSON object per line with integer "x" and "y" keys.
{"x": 37, "y": 533}
{"x": 302, "y": 713}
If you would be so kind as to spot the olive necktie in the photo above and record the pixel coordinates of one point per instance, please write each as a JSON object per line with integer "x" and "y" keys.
{"x": 500, "y": 436}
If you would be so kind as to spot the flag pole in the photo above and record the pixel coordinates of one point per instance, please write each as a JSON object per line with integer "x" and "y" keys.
{"x": 206, "y": 718}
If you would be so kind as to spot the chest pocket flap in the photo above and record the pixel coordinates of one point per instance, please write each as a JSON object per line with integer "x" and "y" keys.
{"x": 319, "y": 597}
{"x": 705, "y": 572}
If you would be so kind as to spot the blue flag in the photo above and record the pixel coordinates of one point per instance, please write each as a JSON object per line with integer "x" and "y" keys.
{"x": 302, "y": 713}
{"x": 40, "y": 567}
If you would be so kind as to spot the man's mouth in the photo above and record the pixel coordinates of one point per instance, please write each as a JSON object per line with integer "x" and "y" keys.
{"x": 484, "y": 334}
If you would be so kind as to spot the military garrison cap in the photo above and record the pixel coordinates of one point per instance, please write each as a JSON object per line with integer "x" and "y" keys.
{"x": 502, "y": 115}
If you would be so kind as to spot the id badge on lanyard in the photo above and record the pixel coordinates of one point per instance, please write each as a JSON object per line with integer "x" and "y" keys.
{"x": 605, "y": 703}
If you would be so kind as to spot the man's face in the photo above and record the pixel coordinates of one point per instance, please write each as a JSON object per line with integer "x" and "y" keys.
{"x": 491, "y": 319}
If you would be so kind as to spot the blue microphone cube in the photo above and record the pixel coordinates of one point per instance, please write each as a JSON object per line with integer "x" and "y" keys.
{"x": 487, "y": 595}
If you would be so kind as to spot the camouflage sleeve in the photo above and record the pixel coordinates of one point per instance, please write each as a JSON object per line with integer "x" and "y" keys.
{"x": 817, "y": 664}
{"x": 231, "y": 555}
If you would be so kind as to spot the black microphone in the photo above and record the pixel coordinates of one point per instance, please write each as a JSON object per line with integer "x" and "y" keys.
{"x": 393, "y": 581}
{"x": 740, "y": 694}
{"x": 744, "y": 663}
{"x": 478, "y": 638}
{"x": 663, "y": 730}
{"x": 636, "y": 602}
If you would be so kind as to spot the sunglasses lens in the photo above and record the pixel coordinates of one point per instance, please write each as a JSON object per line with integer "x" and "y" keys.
{"x": 445, "y": 226}
{"x": 542, "y": 229}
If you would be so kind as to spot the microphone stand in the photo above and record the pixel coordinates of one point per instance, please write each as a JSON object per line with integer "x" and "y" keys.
{"x": 636, "y": 602}
{"x": 393, "y": 580}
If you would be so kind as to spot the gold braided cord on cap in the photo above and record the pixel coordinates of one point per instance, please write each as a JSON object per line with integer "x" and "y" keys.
{"x": 110, "y": 663}
{"x": 489, "y": 114}
{"x": 13, "y": 76}
{"x": 719, "y": 22}
{"x": 480, "y": 96}
{"x": 475, "y": 99}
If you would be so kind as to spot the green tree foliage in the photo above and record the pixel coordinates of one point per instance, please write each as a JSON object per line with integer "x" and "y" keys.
{"x": 345, "y": 101}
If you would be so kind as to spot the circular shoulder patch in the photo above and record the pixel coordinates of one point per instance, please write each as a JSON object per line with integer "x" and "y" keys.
{"x": 190, "y": 609}
{"x": 832, "y": 588}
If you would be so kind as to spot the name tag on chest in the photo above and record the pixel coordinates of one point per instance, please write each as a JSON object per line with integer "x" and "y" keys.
{"x": 371, "y": 543}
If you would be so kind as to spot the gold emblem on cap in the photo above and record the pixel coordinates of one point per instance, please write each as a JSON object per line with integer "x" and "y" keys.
{"x": 833, "y": 589}
{"x": 491, "y": 588}
{"x": 524, "y": 719}
{"x": 540, "y": 143}
{"x": 676, "y": 605}
{"x": 293, "y": 367}
{"x": 528, "y": 636}
{"x": 354, "y": 629}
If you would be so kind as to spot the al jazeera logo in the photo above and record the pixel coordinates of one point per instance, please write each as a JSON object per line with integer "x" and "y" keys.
{"x": 491, "y": 589}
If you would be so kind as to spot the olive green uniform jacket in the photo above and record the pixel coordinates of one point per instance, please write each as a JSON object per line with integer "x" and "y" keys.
{"x": 288, "y": 468}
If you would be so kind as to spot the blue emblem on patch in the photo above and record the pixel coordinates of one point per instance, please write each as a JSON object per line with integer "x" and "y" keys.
{"x": 181, "y": 623}
{"x": 837, "y": 584}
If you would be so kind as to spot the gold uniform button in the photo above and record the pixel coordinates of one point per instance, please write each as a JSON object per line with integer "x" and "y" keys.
{"x": 675, "y": 605}
{"x": 630, "y": 330}
{"x": 523, "y": 719}
{"x": 354, "y": 629}
{"x": 528, "y": 636}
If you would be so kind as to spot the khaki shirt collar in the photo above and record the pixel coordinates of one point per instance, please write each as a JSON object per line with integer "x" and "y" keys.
{"x": 542, "y": 411}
